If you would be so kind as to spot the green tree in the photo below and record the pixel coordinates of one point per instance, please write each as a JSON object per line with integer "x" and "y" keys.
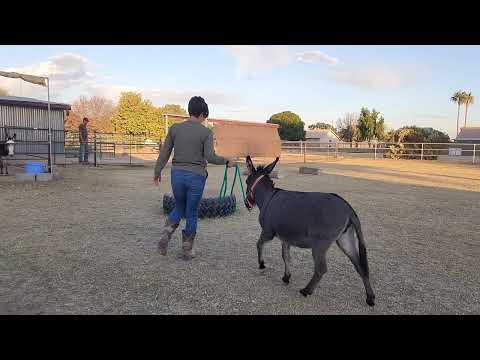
{"x": 173, "y": 109}
{"x": 136, "y": 116}
{"x": 321, "y": 125}
{"x": 370, "y": 125}
{"x": 291, "y": 126}
{"x": 380, "y": 128}
{"x": 458, "y": 97}
{"x": 468, "y": 100}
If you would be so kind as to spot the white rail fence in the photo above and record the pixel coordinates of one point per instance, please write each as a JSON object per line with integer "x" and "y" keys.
{"x": 421, "y": 151}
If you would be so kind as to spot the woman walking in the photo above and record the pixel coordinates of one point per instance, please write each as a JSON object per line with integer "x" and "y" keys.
{"x": 193, "y": 144}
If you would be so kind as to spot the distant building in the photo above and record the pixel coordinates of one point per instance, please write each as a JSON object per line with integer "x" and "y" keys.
{"x": 322, "y": 136}
{"x": 469, "y": 135}
{"x": 234, "y": 138}
{"x": 20, "y": 115}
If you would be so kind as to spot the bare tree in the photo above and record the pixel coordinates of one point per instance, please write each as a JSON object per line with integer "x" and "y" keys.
{"x": 97, "y": 109}
{"x": 347, "y": 127}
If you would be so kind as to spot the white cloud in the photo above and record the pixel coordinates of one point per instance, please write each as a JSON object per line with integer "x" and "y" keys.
{"x": 316, "y": 56}
{"x": 375, "y": 77}
{"x": 111, "y": 92}
{"x": 254, "y": 60}
{"x": 182, "y": 97}
{"x": 64, "y": 71}
{"x": 163, "y": 96}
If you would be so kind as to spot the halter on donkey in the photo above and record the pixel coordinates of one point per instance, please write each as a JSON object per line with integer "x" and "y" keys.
{"x": 311, "y": 220}
{"x": 7, "y": 149}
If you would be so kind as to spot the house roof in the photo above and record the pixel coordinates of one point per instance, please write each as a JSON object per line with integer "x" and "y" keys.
{"x": 469, "y": 133}
{"x": 318, "y": 133}
{"x": 30, "y": 102}
{"x": 230, "y": 122}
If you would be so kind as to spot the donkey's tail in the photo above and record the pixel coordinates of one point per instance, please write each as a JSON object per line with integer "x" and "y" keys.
{"x": 361, "y": 243}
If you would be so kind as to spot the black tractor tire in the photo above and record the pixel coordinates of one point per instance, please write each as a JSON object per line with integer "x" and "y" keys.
{"x": 209, "y": 207}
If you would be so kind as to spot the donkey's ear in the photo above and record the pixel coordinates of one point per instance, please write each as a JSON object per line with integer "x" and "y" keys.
{"x": 14, "y": 135}
{"x": 270, "y": 167}
{"x": 250, "y": 166}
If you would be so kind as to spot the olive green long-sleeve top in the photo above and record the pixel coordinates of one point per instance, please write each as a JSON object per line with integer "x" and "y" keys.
{"x": 193, "y": 148}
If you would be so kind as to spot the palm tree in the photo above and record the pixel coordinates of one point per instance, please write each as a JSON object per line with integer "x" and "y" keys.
{"x": 468, "y": 99}
{"x": 458, "y": 98}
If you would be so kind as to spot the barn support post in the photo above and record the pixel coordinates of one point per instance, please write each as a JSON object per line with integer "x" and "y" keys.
{"x": 50, "y": 165}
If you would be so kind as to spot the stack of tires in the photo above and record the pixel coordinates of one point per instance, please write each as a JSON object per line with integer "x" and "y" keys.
{"x": 209, "y": 207}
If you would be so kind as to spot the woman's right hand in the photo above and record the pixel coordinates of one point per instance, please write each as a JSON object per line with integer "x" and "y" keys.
{"x": 231, "y": 163}
{"x": 157, "y": 180}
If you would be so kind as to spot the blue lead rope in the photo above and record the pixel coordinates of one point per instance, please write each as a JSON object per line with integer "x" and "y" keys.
{"x": 223, "y": 189}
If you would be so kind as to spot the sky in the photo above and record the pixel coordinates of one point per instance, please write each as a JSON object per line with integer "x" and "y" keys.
{"x": 408, "y": 85}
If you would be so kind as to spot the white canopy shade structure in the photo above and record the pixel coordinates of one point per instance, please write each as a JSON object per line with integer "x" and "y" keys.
{"x": 38, "y": 80}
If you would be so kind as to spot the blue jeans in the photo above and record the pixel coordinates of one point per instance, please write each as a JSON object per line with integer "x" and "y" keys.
{"x": 83, "y": 154}
{"x": 187, "y": 190}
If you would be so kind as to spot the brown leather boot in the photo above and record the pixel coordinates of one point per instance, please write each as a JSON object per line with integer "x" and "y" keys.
{"x": 187, "y": 246}
{"x": 166, "y": 236}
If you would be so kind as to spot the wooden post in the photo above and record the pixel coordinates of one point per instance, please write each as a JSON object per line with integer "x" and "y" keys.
{"x": 473, "y": 158}
{"x": 304, "y": 152}
{"x": 95, "y": 148}
{"x": 421, "y": 156}
{"x": 130, "y": 149}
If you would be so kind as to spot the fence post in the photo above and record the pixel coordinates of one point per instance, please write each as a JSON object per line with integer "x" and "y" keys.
{"x": 375, "y": 149}
{"x": 421, "y": 156}
{"x": 130, "y": 149}
{"x": 473, "y": 159}
{"x": 304, "y": 152}
{"x": 95, "y": 148}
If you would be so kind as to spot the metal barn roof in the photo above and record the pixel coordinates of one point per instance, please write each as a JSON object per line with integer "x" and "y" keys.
{"x": 30, "y": 102}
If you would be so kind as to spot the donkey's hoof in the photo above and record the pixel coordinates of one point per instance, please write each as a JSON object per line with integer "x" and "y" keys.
{"x": 371, "y": 301}
{"x": 305, "y": 292}
{"x": 286, "y": 279}
{"x": 262, "y": 265}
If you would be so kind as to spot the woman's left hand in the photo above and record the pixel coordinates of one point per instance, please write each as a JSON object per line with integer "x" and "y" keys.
{"x": 157, "y": 180}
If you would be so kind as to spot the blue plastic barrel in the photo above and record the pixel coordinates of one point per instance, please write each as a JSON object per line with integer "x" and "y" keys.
{"x": 34, "y": 168}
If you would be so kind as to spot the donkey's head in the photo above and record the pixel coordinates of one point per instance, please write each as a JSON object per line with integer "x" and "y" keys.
{"x": 10, "y": 144}
{"x": 255, "y": 176}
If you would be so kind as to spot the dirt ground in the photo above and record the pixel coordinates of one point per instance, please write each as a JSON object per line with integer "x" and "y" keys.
{"x": 86, "y": 244}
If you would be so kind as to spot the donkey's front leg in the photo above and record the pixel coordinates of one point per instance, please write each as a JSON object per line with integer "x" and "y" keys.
{"x": 260, "y": 243}
{"x": 286, "y": 260}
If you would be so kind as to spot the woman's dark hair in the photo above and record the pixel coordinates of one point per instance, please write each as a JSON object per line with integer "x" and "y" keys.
{"x": 197, "y": 106}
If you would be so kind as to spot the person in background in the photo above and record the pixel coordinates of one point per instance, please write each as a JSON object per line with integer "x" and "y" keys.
{"x": 83, "y": 138}
{"x": 193, "y": 144}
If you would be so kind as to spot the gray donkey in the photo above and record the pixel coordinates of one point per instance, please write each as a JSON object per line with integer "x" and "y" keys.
{"x": 311, "y": 220}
